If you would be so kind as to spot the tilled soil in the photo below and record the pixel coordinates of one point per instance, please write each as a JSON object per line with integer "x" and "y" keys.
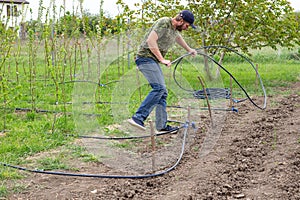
{"x": 257, "y": 156}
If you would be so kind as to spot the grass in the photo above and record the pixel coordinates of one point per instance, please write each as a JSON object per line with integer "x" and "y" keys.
{"x": 80, "y": 152}
{"x": 3, "y": 191}
{"x": 49, "y": 164}
{"x": 49, "y": 101}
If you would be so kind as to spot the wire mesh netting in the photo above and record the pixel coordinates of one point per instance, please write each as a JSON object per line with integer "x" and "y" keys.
{"x": 92, "y": 92}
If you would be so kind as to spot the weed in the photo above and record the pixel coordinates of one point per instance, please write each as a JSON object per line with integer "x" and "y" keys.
{"x": 17, "y": 188}
{"x": 52, "y": 164}
{"x": 196, "y": 148}
{"x": 3, "y": 191}
{"x": 80, "y": 152}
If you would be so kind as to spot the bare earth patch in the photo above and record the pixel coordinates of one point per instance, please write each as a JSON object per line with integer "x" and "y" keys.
{"x": 256, "y": 157}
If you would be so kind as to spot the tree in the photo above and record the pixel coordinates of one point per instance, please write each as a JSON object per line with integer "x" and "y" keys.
{"x": 241, "y": 25}
{"x": 246, "y": 24}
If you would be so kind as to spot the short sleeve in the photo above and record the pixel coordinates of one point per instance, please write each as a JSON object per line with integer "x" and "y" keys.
{"x": 161, "y": 26}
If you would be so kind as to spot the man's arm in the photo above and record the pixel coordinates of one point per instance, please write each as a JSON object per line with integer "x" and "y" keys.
{"x": 152, "y": 43}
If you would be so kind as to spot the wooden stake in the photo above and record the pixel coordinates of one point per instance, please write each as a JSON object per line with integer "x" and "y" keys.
{"x": 231, "y": 102}
{"x": 138, "y": 82}
{"x": 189, "y": 114}
{"x": 256, "y": 80}
{"x": 152, "y": 144}
{"x": 207, "y": 100}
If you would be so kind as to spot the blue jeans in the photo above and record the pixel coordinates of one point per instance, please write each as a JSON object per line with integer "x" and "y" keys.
{"x": 157, "y": 96}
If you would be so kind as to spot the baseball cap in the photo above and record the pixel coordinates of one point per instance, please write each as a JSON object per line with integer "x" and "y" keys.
{"x": 188, "y": 17}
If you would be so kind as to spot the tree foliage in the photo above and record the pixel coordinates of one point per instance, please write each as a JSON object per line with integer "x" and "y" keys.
{"x": 245, "y": 25}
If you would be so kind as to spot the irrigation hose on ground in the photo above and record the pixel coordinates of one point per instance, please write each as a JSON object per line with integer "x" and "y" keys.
{"x": 110, "y": 176}
{"x": 185, "y": 126}
{"x": 179, "y": 59}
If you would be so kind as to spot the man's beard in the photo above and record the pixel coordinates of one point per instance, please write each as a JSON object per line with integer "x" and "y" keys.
{"x": 179, "y": 28}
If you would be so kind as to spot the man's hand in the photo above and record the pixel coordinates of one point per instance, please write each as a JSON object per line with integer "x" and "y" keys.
{"x": 193, "y": 52}
{"x": 166, "y": 62}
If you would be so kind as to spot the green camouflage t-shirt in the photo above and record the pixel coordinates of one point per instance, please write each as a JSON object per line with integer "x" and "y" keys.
{"x": 166, "y": 38}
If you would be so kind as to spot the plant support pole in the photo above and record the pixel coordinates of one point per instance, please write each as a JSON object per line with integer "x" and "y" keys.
{"x": 207, "y": 100}
{"x": 152, "y": 144}
{"x": 231, "y": 102}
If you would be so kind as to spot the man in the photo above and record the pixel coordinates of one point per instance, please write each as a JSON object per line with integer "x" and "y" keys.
{"x": 160, "y": 37}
